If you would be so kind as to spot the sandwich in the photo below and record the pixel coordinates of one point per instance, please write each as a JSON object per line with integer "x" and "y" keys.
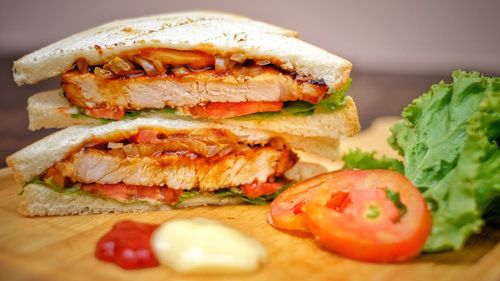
{"x": 194, "y": 65}
{"x": 177, "y": 110}
{"x": 148, "y": 164}
{"x": 152, "y": 163}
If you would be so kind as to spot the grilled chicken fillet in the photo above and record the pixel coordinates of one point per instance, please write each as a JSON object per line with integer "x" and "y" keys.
{"x": 206, "y": 160}
{"x": 176, "y": 171}
{"x": 183, "y": 80}
{"x": 136, "y": 93}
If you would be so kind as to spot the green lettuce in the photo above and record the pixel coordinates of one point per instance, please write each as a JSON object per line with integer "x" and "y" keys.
{"x": 358, "y": 159}
{"x": 261, "y": 200}
{"x": 449, "y": 140}
{"x": 47, "y": 182}
{"x": 132, "y": 114}
{"x": 336, "y": 98}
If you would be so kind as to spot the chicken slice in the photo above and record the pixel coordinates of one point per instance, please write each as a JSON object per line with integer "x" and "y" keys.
{"x": 91, "y": 165}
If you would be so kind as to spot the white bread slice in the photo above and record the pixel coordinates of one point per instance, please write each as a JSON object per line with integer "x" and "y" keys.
{"x": 51, "y": 110}
{"x": 34, "y": 159}
{"x": 39, "y": 200}
{"x": 197, "y": 30}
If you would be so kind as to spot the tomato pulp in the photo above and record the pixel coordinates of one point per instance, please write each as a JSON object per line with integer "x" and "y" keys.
{"x": 218, "y": 110}
{"x": 372, "y": 215}
{"x": 257, "y": 189}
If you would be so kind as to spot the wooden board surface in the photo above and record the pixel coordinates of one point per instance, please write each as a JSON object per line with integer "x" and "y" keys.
{"x": 62, "y": 248}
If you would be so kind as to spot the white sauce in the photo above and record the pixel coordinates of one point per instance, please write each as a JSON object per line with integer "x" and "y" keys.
{"x": 199, "y": 245}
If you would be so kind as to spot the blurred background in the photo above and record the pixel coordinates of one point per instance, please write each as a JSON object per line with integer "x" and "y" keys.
{"x": 398, "y": 48}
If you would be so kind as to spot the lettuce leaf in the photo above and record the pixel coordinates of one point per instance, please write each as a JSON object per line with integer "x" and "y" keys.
{"x": 336, "y": 98}
{"x": 133, "y": 114}
{"x": 298, "y": 107}
{"x": 47, "y": 182}
{"x": 261, "y": 200}
{"x": 358, "y": 159}
{"x": 333, "y": 101}
{"x": 449, "y": 140}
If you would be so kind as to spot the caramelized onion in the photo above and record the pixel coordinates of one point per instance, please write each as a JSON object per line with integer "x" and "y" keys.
{"x": 220, "y": 64}
{"x": 238, "y": 57}
{"x": 176, "y": 144}
{"x": 254, "y": 70}
{"x": 131, "y": 150}
{"x": 180, "y": 71}
{"x": 148, "y": 65}
{"x": 238, "y": 70}
{"x": 115, "y": 145}
{"x": 120, "y": 66}
{"x": 103, "y": 73}
{"x": 82, "y": 65}
{"x": 159, "y": 66}
{"x": 263, "y": 62}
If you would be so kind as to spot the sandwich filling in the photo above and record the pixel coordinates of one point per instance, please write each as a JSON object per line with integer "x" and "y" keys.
{"x": 193, "y": 83}
{"x": 159, "y": 167}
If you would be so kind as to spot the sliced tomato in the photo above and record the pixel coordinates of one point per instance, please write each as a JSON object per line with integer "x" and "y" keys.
{"x": 255, "y": 189}
{"x": 126, "y": 192}
{"x": 56, "y": 176}
{"x": 218, "y": 110}
{"x": 286, "y": 210}
{"x": 146, "y": 136}
{"x": 107, "y": 112}
{"x": 368, "y": 215}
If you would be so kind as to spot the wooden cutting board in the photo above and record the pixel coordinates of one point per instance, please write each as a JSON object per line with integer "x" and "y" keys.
{"x": 62, "y": 248}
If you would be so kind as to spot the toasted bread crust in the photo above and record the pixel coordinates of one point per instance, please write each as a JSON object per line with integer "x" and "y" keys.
{"x": 199, "y": 30}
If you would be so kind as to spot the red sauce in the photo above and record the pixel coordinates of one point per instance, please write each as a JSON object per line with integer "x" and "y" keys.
{"x": 128, "y": 245}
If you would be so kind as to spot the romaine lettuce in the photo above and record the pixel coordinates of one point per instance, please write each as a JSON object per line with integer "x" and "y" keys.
{"x": 357, "y": 159}
{"x": 261, "y": 200}
{"x": 449, "y": 140}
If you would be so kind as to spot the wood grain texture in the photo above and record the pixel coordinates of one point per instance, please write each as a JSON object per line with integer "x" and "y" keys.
{"x": 62, "y": 248}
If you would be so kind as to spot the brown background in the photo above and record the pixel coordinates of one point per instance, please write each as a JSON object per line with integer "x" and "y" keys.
{"x": 398, "y": 48}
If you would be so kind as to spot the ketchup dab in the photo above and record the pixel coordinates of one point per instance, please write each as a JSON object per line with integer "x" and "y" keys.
{"x": 128, "y": 245}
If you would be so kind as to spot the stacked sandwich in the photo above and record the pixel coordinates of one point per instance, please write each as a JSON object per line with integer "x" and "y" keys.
{"x": 177, "y": 110}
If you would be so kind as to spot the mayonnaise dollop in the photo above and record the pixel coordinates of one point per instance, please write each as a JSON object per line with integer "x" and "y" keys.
{"x": 200, "y": 245}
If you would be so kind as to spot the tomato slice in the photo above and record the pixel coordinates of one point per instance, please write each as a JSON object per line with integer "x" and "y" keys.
{"x": 255, "y": 189}
{"x": 56, "y": 176}
{"x": 218, "y": 110}
{"x": 107, "y": 112}
{"x": 145, "y": 136}
{"x": 368, "y": 215}
{"x": 287, "y": 209}
{"x": 126, "y": 192}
